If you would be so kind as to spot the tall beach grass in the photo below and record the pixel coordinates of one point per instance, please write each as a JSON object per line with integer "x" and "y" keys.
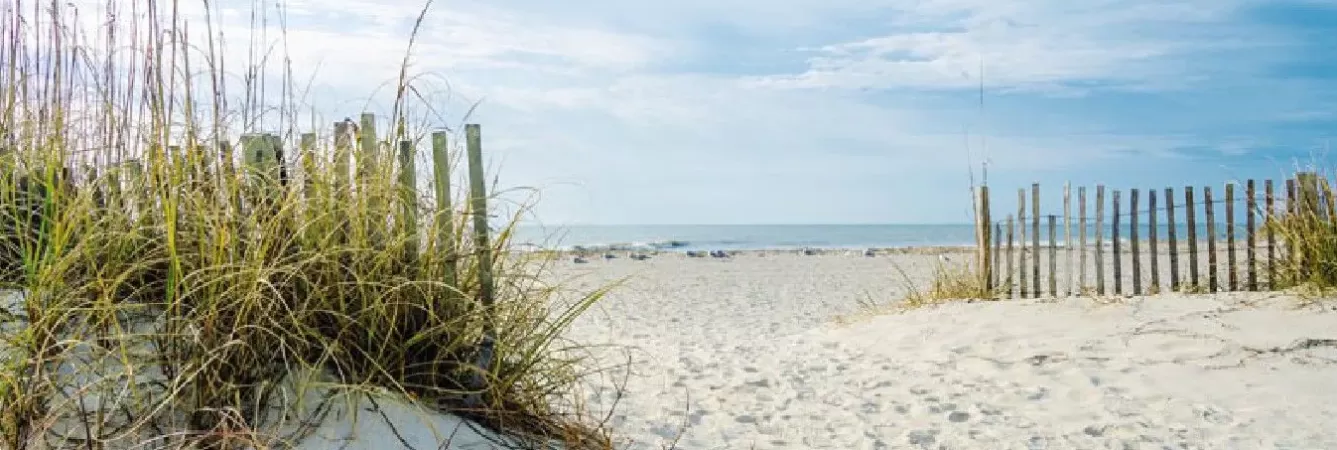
{"x": 159, "y": 294}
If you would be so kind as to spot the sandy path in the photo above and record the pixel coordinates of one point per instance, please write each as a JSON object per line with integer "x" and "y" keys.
{"x": 744, "y": 354}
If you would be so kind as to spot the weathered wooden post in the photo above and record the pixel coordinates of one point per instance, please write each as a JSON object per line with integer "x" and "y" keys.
{"x": 1067, "y": 238}
{"x": 1251, "y": 237}
{"x": 483, "y": 246}
{"x": 1100, "y": 239}
{"x": 1232, "y": 276}
{"x": 408, "y": 200}
{"x": 982, "y": 230}
{"x": 1152, "y": 244}
{"x": 1133, "y": 241}
{"x": 1212, "y": 270}
{"x": 1035, "y": 237}
{"x": 1021, "y": 254}
{"x": 1118, "y": 255}
{"x": 445, "y": 219}
{"x": 1081, "y": 230}
{"x": 1173, "y": 244}
{"x": 1189, "y": 210}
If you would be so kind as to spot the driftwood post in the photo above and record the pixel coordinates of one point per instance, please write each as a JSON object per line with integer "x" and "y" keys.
{"x": 1192, "y": 236}
{"x": 1100, "y": 239}
{"x": 1081, "y": 231}
{"x": 483, "y": 246}
{"x": 1212, "y": 285}
{"x": 1133, "y": 242}
{"x": 1067, "y": 237}
{"x": 1269, "y": 223}
{"x": 1151, "y": 243}
{"x": 1250, "y": 238}
{"x": 1232, "y": 276}
{"x": 1118, "y": 253}
{"x": 1053, "y": 259}
{"x": 1021, "y": 254}
{"x": 1035, "y": 236}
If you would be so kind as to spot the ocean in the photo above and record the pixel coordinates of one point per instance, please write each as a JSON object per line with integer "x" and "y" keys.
{"x": 774, "y": 237}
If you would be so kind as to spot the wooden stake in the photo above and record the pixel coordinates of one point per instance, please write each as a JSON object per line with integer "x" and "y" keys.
{"x": 1173, "y": 242}
{"x": 1232, "y": 276}
{"x": 1100, "y": 239}
{"x": 1251, "y": 238}
{"x": 1152, "y": 245}
{"x": 1207, "y": 204}
{"x": 1133, "y": 242}
{"x": 1081, "y": 232}
{"x": 1192, "y": 237}
{"x": 1067, "y": 237}
{"x": 1118, "y": 253}
{"x": 1035, "y": 237}
{"x": 1021, "y": 254}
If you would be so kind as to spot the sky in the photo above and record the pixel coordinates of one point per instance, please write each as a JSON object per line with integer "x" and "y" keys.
{"x": 834, "y": 111}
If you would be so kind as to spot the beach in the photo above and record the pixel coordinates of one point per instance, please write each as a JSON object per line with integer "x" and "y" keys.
{"x": 774, "y": 350}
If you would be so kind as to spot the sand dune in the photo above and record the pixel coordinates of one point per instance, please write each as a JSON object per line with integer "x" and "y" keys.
{"x": 745, "y": 353}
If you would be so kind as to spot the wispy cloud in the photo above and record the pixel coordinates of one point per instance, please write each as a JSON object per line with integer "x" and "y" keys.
{"x": 833, "y": 110}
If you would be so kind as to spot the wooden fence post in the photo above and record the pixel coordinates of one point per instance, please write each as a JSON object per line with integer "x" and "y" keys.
{"x": 1189, "y": 217}
{"x": 483, "y": 245}
{"x": 1173, "y": 243}
{"x": 1081, "y": 231}
{"x": 1251, "y": 238}
{"x": 1133, "y": 242}
{"x": 1308, "y": 215}
{"x": 982, "y": 230}
{"x": 408, "y": 201}
{"x": 444, "y": 215}
{"x": 1053, "y": 259}
{"x": 997, "y": 255}
{"x": 1035, "y": 237}
{"x": 1207, "y": 204}
{"x": 307, "y": 147}
{"x": 1232, "y": 276}
{"x": 1011, "y": 282}
{"x": 1269, "y": 224}
{"x": 1067, "y": 237}
{"x": 1100, "y": 239}
{"x": 261, "y": 164}
{"x": 1118, "y": 253}
{"x": 1152, "y": 232}
{"x": 1021, "y": 255}
{"x": 368, "y": 169}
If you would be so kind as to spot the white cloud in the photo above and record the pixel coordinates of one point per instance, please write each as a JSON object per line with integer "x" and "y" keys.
{"x": 1037, "y": 45}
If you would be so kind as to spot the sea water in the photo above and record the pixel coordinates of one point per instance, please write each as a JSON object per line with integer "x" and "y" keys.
{"x": 758, "y": 237}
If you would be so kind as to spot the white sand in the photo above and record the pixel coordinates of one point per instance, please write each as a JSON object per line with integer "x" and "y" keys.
{"x": 745, "y": 353}
{"x": 348, "y": 420}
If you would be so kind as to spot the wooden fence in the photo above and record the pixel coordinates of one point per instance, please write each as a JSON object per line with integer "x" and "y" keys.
{"x": 1150, "y": 244}
{"x": 264, "y": 155}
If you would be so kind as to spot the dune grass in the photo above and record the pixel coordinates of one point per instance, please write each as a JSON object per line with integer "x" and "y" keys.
{"x": 161, "y": 295}
{"x": 1308, "y": 234}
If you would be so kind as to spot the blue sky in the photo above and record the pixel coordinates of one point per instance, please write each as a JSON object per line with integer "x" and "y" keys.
{"x": 840, "y": 111}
